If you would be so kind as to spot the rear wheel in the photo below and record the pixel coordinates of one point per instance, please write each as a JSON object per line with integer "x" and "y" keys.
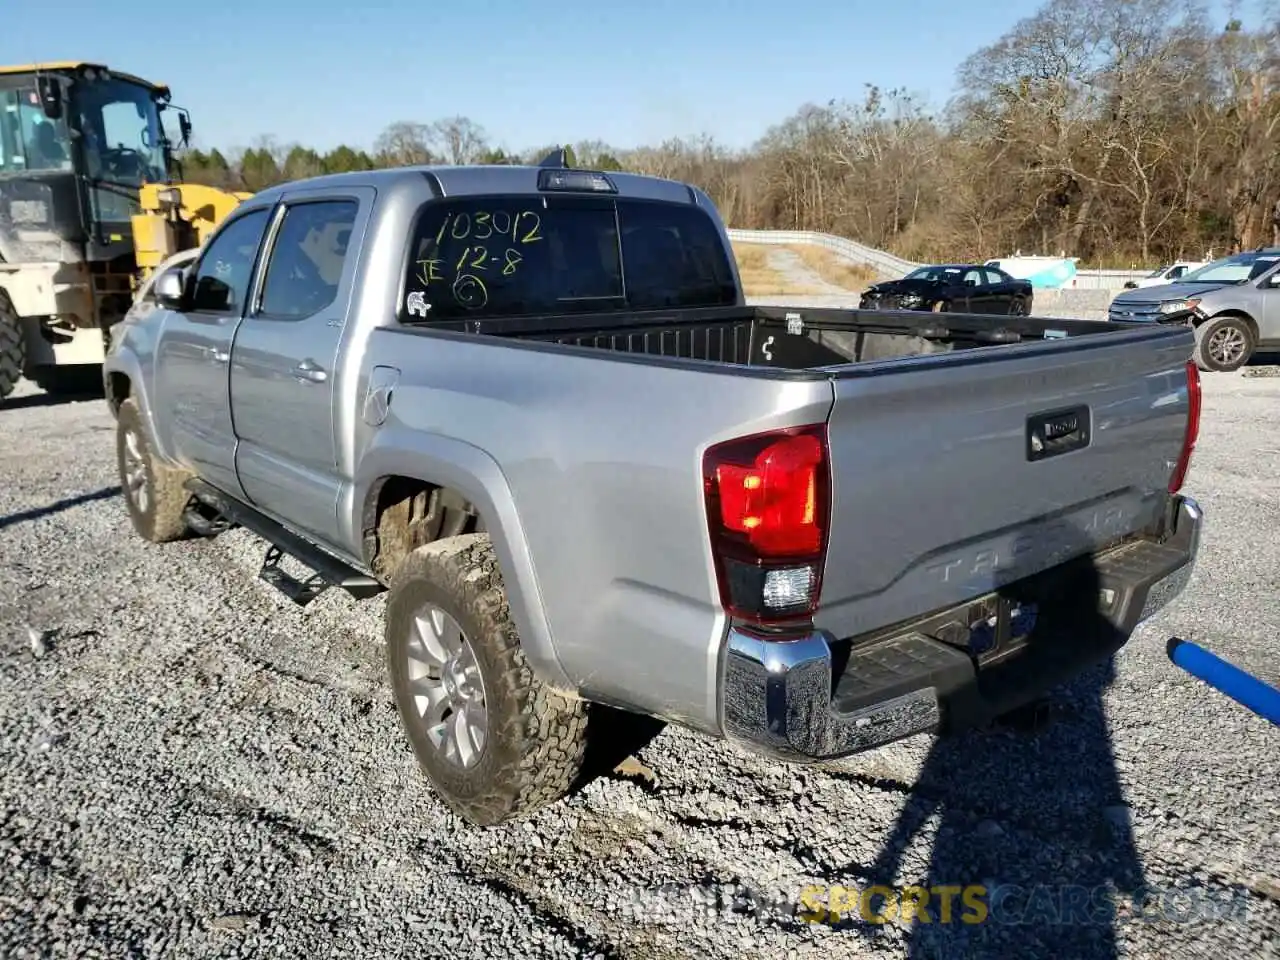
{"x": 1018, "y": 308}
{"x": 13, "y": 350}
{"x": 940, "y": 307}
{"x": 495, "y": 743}
{"x": 1224, "y": 344}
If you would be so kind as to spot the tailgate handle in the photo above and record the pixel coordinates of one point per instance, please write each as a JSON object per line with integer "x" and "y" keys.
{"x": 1057, "y": 431}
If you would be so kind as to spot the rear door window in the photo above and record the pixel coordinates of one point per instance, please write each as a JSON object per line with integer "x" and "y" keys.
{"x": 307, "y": 259}
{"x": 510, "y": 256}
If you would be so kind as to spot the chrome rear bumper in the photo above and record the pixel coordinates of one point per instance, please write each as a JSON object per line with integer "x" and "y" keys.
{"x": 813, "y": 697}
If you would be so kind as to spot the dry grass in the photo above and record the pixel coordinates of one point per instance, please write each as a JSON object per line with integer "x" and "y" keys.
{"x": 759, "y": 279}
{"x": 833, "y": 269}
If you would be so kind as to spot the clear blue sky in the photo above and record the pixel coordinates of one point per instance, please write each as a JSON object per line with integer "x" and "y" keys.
{"x": 325, "y": 72}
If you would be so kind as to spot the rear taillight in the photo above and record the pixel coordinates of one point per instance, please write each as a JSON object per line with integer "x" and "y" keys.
{"x": 768, "y": 500}
{"x": 1193, "y": 428}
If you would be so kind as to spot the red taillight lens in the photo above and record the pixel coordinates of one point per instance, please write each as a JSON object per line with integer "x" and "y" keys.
{"x": 1193, "y": 428}
{"x": 767, "y": 502}
{"x": 772, "y": 501}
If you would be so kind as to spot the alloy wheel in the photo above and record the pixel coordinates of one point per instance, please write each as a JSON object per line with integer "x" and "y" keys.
{"x": 137, "y": 483}
{"x": 448, "y": 690}
{"x": 1227, "y": 345}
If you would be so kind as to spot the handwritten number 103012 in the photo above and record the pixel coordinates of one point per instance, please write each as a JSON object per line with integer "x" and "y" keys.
{"x": 523, "y": 227}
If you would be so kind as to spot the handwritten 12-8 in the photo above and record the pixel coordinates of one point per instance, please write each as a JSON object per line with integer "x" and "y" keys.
{"x": 523, "y": 228}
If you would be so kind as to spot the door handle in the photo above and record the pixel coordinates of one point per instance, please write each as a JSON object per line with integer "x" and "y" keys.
{"x": 308, "y": 371}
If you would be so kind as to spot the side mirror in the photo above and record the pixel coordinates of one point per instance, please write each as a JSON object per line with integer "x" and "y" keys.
{"x": 170, "y": 288}
{"x": 184, "y": 128}
{"x": 50, "y": 91}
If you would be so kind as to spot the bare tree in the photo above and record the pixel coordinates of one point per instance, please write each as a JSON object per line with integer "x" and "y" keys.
{"x": 459, "y": 139}
{"x": 405, "y": 143}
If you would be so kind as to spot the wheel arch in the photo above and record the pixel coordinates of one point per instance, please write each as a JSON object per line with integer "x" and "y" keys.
{"x": 1231, "y": 312}
{"x": 413, "y": 488}
{"x": 119, "y": 387}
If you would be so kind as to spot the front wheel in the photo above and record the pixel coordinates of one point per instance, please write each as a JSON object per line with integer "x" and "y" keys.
{"x": 1223, "y": 344}
{"x": 154, "y": 493}
{"x": 495, "y": 743}
{"x": 13, "y": 350}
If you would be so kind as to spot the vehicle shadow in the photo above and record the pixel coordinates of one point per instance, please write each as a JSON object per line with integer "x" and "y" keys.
{"x": 1264, "y": 358}
{"x": 1032, "y": 839}
{"x": 106, "y": 493}
{"x": 614, "y": 736}
{"x": 71, "y": 385}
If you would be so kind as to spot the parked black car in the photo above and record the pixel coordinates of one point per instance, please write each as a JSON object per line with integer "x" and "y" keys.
{"x": 955, "y": 288}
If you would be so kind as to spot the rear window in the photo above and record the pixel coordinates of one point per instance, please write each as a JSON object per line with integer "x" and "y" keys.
{"x": 511, "y": 256}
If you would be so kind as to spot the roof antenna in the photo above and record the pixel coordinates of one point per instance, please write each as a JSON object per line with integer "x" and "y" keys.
{"x": 557, "y": 159}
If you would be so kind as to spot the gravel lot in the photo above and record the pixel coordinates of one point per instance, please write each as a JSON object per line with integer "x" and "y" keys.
{"x": 191, "y": 765}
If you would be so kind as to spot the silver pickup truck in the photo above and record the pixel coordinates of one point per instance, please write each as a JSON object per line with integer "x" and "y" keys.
{"x": 532, "y": 405}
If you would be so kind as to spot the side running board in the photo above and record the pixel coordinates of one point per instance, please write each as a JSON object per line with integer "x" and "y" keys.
{"x": 329, "y": 570}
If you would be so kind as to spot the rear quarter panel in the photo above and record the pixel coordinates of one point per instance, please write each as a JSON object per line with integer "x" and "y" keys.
{"x": 600, "y": 459}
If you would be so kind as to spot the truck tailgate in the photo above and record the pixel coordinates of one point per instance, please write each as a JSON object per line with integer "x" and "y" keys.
{"x": 937, "y": 494}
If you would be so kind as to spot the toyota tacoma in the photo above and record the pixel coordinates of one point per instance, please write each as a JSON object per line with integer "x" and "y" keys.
{"x": 532, "y": 406}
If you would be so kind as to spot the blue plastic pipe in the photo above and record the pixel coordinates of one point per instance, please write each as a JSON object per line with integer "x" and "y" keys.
{"x": 1246, "y": 689}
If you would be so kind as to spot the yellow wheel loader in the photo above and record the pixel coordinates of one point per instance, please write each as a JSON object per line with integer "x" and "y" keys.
{"x": 89, "y": 207}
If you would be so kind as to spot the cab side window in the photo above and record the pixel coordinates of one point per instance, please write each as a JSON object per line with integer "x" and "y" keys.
{"x": 307, "y": 259}
{"x": 222, "y": 277}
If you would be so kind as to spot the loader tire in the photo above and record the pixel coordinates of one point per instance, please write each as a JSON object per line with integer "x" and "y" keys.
{"x": 154, "y": 493}
{"x": 451, "y": 643}
{"x": 13, "y": 349}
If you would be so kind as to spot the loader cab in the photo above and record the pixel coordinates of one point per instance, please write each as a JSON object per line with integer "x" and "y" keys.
{"x": 77, "y": 141}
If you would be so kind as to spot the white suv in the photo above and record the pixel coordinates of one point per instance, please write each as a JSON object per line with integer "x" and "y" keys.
{"x": 1170, "y": 274}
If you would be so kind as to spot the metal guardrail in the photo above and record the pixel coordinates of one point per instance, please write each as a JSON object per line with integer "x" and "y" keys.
{"x": 897, "y": 266}
{"x": 848, "y": 249}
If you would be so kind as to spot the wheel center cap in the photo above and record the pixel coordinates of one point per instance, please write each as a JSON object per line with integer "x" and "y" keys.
{"x": 454, "y": 681}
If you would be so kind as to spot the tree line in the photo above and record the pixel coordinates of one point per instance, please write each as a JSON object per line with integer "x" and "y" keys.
{"x": 1123, "y": 132}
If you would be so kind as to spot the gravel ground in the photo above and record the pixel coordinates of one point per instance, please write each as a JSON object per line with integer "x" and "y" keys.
{"x": 189, "y": 765}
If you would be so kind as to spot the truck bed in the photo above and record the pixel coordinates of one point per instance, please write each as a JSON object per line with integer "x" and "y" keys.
{"x": 784, "y": 338}
{"x": 937, "y": 496}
